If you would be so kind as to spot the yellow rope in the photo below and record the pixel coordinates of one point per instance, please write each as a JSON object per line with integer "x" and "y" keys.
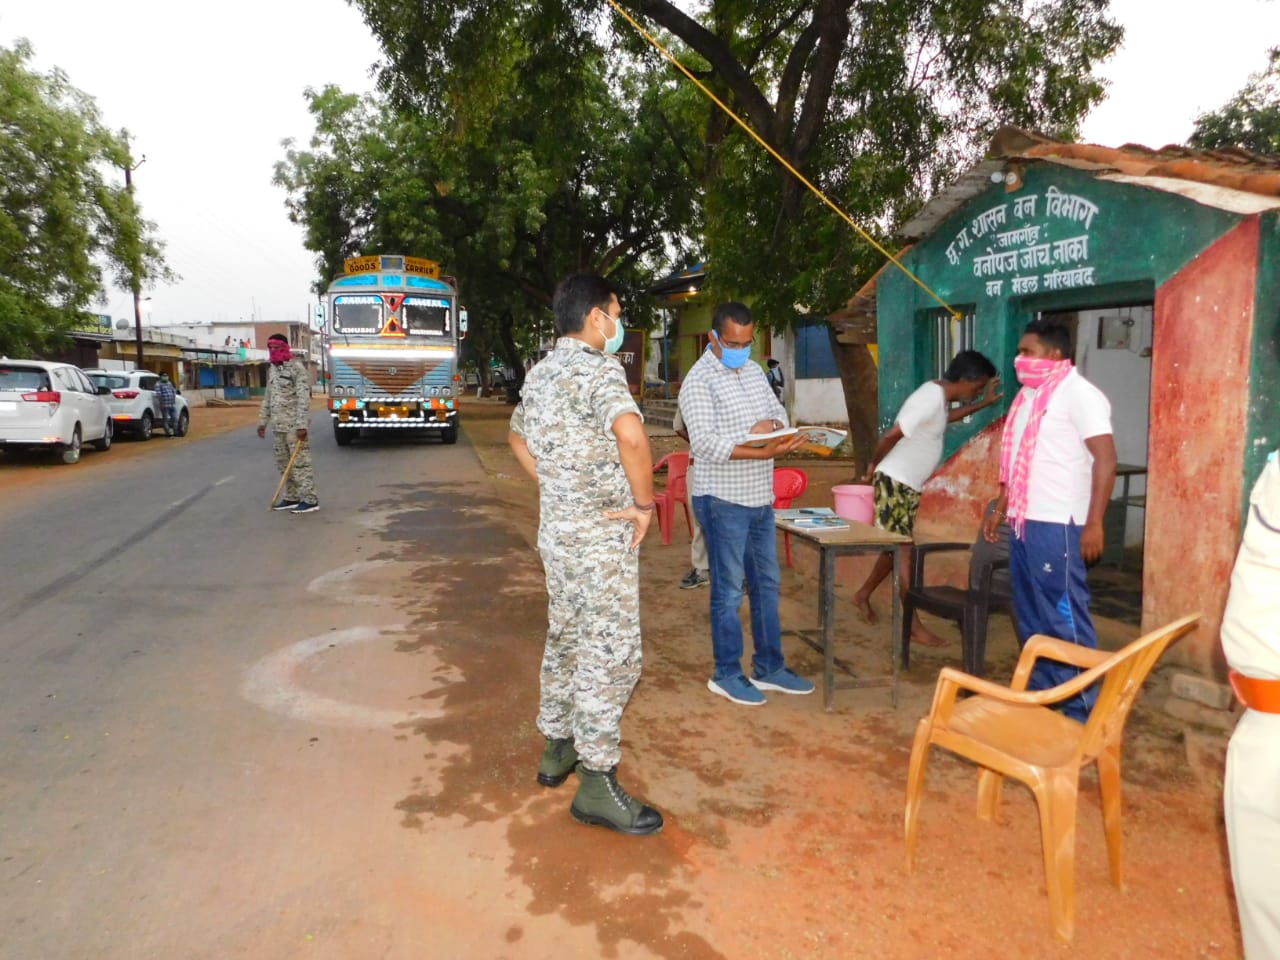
{"x": 779, "y": 157}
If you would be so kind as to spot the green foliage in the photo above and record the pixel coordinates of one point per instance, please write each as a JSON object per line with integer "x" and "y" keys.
{"x": 549, "y": 160}
{"x": 879, "y": 104}
{"x": 1250, "y": 119}
{"x": 62, "y": 220}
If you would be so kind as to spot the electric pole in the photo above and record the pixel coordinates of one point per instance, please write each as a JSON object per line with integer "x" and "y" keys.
{"x": 134, "y": 280}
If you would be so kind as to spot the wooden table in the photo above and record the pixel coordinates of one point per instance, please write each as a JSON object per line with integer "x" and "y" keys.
{"x": 857, "y": 538}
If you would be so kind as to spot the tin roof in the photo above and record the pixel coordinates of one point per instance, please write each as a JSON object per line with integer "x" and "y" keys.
{"x": 1234, "y": 179}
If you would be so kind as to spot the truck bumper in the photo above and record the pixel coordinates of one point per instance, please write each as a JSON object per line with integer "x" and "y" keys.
{"x": 379, "y": 415}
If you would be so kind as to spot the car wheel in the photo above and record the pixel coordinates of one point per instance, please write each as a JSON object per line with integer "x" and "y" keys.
{"x": 343, "y": 437}
{"x": 184, "y": 422}
{"x": 144, "y": 428}
{"x": 107, "y": 437}
{"x": 71, "y": 451}
{"x": 450, "y": 434}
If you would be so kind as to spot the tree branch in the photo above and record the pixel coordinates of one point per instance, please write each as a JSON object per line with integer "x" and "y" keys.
{"x": 716, "y": 52}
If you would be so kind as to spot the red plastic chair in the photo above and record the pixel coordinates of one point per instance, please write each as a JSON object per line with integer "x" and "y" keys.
{"x": 788, "y": 483}
{"x": 677, "y": 491}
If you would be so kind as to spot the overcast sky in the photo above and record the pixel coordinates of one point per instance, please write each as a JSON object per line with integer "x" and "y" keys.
{"x": 209, "y": 91}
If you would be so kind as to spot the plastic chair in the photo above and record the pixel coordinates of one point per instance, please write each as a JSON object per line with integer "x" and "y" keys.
{"x": 1010, "y": 732}
{"x": 788, "y": 484}
{"x": 677, "y": 491}
{"x": 988, "y": 592}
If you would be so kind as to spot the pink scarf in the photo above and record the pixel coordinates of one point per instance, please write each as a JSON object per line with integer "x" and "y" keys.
{"x": 1044, "y": 376}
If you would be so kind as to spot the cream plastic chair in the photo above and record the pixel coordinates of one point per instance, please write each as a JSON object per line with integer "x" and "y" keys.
{"x": 1010, "y": 732}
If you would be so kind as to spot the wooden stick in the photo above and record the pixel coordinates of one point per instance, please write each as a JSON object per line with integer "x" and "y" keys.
{"x": 285, "y": 476}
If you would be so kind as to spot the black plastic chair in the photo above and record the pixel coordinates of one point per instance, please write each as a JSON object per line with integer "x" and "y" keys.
{"x": 989, "y": 591}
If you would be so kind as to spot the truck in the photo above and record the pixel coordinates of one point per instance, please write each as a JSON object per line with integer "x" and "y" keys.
{"x": 393, "y": 340}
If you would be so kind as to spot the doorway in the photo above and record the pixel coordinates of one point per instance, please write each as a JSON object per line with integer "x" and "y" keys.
{"x": 1112, "y": 349}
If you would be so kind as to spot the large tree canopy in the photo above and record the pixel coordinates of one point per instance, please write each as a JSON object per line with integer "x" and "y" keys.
{"x": 65, "y": 215}
{"x": 877, "y": 103}
{"x": 556, "y": 160}
{"x": 1250, "y": 119}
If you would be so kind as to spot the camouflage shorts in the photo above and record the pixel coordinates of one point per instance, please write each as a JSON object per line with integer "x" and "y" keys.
{"x": 896, "y": 504}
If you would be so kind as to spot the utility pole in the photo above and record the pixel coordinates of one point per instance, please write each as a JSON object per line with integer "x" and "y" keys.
{"x": 134, "y": 281}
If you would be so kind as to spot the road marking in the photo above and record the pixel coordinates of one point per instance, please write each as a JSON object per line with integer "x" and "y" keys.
{"x": 271, "y": 684}
{"x": 225, "y": 480}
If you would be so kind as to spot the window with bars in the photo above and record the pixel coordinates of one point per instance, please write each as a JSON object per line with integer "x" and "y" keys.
{"x": 951, "y": 334}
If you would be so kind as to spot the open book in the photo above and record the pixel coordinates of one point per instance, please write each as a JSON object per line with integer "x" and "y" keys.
{"x": 752, "y": 438}
{"x": 822, "y": 440}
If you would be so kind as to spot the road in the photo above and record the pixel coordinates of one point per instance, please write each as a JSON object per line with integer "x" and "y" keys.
{"x": 215, "y": 716}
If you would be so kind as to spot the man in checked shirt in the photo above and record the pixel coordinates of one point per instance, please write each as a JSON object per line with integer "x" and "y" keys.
{"x": 724, "y": 399}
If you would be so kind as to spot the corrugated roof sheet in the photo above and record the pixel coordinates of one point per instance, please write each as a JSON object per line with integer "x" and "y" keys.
{"x": 1236, "y": 180}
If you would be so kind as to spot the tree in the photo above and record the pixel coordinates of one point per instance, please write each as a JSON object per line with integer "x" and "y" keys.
{"x": 1250, "y": 119}
{"x": 556, "y": 162}
{"x": 64, "y": 218}
{"x": 877, "y": 103}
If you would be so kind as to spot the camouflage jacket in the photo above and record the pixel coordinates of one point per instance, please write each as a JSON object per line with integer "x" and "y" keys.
{"x": 568, "y": 405}
{"x": 286, "y": 406}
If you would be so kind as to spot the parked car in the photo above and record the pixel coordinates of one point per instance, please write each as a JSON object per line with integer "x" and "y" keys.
{"x": 54, "y": 406}
{"x": 133, "y": 403}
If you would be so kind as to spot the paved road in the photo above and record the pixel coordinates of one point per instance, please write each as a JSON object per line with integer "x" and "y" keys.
{"x": 230, "y": 732}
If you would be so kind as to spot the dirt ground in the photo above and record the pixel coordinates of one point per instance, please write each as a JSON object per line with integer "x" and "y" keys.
{"x": 793, "y": 816}
{"x": 784, "y": 823}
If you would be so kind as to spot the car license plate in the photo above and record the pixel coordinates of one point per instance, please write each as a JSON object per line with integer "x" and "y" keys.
{"x": 8, "y": 408}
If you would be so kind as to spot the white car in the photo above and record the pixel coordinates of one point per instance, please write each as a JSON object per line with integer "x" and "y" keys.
{"x": 134, "y": 406}
{"x": 52, "y": 405}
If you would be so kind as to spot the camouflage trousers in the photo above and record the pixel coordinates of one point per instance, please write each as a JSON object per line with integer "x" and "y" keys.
{"x": 592, "y": 657}
{"x": 301, "y": 484}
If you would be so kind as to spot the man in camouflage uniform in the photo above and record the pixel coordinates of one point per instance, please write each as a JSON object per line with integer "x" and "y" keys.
{"x": 286, "y": 408}
{"x": 578, "y": 433}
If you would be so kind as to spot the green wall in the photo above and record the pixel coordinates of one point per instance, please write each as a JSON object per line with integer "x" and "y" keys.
{"x": 1134, "y": 239}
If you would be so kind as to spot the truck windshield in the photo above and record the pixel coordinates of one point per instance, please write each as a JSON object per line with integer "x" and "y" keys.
{"x": 352, "y": 314}
{"x": 426, "y": 316}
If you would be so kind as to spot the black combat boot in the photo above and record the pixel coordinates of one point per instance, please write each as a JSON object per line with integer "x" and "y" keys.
{"x": 600, "y": 801}
{"x": 558, "y": 761}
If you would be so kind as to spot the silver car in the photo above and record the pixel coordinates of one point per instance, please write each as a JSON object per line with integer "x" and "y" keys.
{"x": 52, "y": 406}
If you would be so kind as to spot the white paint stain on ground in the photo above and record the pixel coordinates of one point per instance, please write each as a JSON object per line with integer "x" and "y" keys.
{"x": 272, "y": 684}
{"x": 365, "y": 581}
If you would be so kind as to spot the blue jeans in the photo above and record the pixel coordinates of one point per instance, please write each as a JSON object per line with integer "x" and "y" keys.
{"x": 741, "y": 542}
{"x": 1051, "y": 596}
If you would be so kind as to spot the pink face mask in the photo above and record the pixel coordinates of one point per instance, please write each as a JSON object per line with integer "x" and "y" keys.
{"x": 1033, "y": 371}
{"x": 279, "y": 351}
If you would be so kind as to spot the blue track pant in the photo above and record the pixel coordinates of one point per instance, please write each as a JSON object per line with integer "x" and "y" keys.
{"x": 1051, "y": 596}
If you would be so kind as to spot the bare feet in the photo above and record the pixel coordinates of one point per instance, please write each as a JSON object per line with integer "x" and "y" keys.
{"x": 866, "y": 613}
{"x": 922, "y": 635}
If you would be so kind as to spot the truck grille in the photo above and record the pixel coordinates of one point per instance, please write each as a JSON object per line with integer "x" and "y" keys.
{"x": 394, "y": 377}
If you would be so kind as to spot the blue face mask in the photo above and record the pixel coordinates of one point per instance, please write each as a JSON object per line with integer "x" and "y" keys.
{"x": 731, "y": 357}
{"x": 614, "y": 343}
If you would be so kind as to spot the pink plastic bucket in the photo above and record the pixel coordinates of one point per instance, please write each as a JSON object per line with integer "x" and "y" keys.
{"x": 855, "y": 502}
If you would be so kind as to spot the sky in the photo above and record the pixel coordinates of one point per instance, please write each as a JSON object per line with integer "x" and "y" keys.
{"x": 209, "y": 91}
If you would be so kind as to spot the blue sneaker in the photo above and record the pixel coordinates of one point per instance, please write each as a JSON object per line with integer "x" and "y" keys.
{"x": 738, "y": 690}
{"x": 784, "y": 681}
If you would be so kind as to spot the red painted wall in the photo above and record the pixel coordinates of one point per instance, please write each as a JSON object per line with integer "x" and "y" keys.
{"x": 1199, "y": 411}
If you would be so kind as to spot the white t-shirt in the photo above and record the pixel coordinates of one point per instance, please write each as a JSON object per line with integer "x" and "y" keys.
{"x": 1060, "y": 483}
{"x": 922, "y": 420}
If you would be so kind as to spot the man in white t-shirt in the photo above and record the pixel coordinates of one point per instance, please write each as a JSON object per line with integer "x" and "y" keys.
{"x": 1057, "y": 469}
{"x": 908, "y": 454}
